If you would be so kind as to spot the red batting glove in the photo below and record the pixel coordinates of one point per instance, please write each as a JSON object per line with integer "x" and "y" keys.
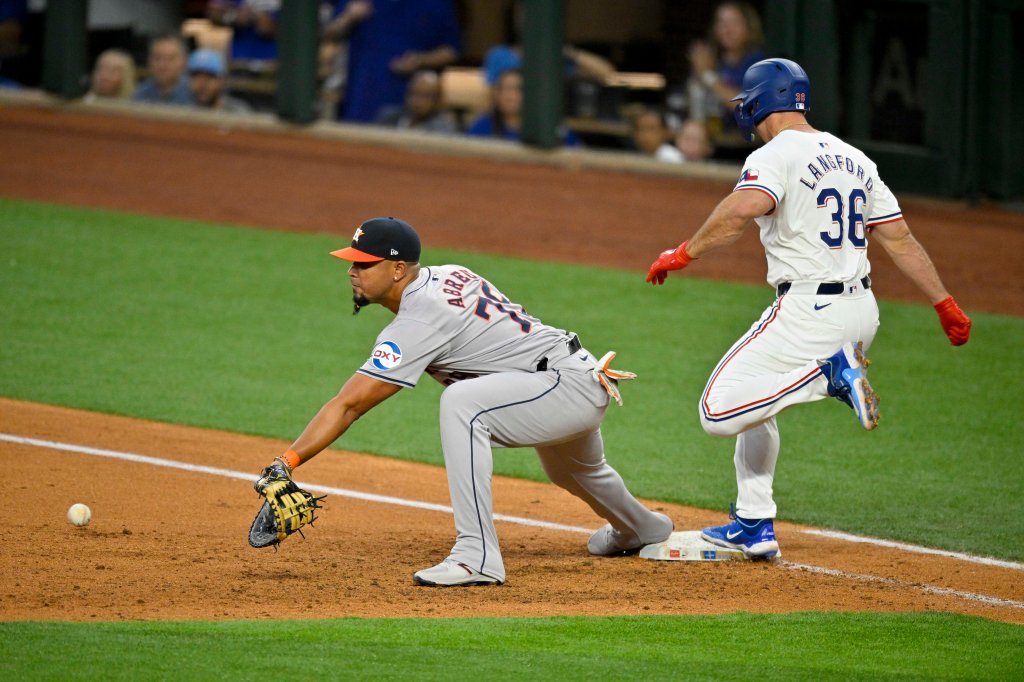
{"x": 673, "y": 259}
{"x": 956, "y": 325}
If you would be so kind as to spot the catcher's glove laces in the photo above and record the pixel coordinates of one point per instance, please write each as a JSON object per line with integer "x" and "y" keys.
{"x": 286, "y": 507}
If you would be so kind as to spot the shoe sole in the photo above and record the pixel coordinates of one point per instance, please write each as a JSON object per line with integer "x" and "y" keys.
{"x": 621, "y": 552}
{"x": 765, "y": 550}
{"x": 865, "y": 400}
{"x": 471, "y": 583}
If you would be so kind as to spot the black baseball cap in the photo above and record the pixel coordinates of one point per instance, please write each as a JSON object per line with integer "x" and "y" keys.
{"x": 382, "y": 239}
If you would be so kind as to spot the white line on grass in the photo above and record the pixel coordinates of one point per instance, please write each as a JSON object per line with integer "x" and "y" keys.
{"x": 342, "y": 492}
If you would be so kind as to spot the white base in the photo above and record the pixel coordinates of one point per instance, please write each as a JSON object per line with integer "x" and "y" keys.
{"x": 688, "y": 545}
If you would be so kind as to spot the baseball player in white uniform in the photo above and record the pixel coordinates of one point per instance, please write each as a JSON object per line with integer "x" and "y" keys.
{"x": 816, "y": 200}
{"x": 511, "y": 381}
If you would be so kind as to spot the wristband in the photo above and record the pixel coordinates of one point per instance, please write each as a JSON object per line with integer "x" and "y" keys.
{"x": 291, "y": 459}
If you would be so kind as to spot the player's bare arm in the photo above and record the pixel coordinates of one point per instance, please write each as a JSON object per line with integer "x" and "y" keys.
{"x": 913, "y": 261}
{"x": 911, "y": 258}
{"x": 287, "y": 508}
{"x": 728, "y": 221}
{"x": 359, "y": 395}
{"x": 723, "y": 227}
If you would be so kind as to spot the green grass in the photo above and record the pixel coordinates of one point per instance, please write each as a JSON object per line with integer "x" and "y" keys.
{"x": 802, "y": 646}
{"x": 251, "y": 331}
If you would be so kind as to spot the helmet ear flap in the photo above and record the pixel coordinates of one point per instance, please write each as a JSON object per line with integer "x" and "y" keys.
{"x": 744, "y": 118}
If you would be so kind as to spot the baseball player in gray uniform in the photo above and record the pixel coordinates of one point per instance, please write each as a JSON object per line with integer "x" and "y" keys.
{"x": 815, "y": 199}
{"x": 511, "y": 381}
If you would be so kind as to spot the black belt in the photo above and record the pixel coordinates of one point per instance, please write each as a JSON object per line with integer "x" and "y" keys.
{"x": 827, "y": 288}
{"x": 574, "y": 346}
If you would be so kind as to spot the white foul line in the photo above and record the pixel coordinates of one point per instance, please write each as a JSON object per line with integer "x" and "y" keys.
{"x": 944, "y": 591}
{"x": 341, "y": 492}
{"x": 385, "y": 499}
{"x": 988, "y": 561}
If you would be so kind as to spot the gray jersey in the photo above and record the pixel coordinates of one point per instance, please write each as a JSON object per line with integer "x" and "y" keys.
{"x": 455, "y": 325}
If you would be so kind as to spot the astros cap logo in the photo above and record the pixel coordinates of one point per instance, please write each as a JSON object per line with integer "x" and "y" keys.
{"x": 380, "y": 239}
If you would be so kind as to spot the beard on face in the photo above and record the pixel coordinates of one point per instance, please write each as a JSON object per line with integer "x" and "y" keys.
{"x": 359, "y": 301}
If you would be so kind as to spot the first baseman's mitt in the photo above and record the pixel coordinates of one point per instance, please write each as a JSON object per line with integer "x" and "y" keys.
{"x": 286, "y": 507}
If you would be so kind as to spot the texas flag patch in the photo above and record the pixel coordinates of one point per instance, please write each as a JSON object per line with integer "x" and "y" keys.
{"x": 748, "y": 175}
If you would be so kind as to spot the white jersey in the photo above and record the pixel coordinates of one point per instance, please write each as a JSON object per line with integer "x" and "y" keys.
{"x": 455, "y": 325}
{"x": 827, "y": 195}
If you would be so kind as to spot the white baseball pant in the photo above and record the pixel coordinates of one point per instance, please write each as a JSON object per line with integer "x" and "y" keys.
{"x": 773, "y": 366}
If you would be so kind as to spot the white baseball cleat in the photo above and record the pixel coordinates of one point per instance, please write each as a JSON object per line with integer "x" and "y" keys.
{"x": 451, "y": 573}
{"x": 606, "y": 541}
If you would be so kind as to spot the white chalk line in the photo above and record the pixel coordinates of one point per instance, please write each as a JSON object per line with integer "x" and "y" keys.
{"x": 931, "y": 589}
{"x": 429, "y": 506}
{"x": 328, "y": 490}
{"x": 988, "y": 561}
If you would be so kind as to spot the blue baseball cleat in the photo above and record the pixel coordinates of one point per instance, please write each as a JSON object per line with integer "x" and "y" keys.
{"x": 754, "y": 537}
{"x": 847, "y": 374}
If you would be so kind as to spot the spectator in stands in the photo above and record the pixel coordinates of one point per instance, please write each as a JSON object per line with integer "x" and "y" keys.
{"x": 388, "y": 41}
{"x": 652, "y": 135}
{"x": 692, "y": 141}
{"x": 505, "y": 120}
{"x": 254, "y": 27}
{"x": 113, "y": 76}
{"x": 206, "y": 73}
{"x": 167, "y": 83}
{"x": 578, "y": 63}
{"x": 717, "y": 66}
{"x": 423, "y": 107}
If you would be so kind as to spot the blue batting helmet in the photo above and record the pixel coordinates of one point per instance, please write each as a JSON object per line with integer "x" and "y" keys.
{"x": 771, "y": 85}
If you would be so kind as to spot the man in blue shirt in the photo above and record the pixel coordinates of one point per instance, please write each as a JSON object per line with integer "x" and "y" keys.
{"x": 167, "y": 83}
{"x": 388, "y": 40}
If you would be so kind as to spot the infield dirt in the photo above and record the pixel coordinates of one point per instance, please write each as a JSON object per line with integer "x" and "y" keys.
{"x": 170, "y": 544}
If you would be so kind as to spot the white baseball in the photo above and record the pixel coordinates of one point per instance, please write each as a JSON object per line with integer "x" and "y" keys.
{"x": 79, "y": 514}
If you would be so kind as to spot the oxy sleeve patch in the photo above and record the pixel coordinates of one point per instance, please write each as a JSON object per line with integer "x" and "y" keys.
{"x": 386, "y": 355}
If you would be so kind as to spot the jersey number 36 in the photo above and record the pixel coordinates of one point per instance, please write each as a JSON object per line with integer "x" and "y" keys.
{"x": 854, "y": 227}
